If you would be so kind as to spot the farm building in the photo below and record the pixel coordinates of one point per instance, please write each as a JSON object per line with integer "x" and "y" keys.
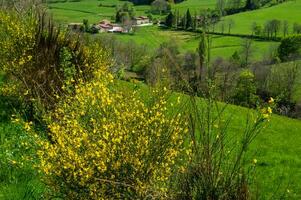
{"x": 104, "y": 26}
{"x": 116, "y": 29}
{"x": 75, "y": 26}
{"x": 141, "y": 20}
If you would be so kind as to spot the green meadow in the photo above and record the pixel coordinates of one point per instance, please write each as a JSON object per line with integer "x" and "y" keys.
{"x": 276, "y": 148}
{"x": 289, "y": 11}
{"x": 222, "y": 46}
{"x": 76, "y": 11}
{"x": 194, "y": 5}
{"x": 67, "y": 12}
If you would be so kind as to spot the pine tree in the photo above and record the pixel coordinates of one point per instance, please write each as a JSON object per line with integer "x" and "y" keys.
{"x": 251, "y": 4}
{"x": 169, "y": 20}
{"x": 117, "y": 17}
{"x": 188, "y": 20}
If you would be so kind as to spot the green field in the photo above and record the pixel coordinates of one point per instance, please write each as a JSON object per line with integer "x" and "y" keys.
{"x": 222, "y": 46}
{"x": 194, "y": 5}
{"x": 290, "y": 11}
{"x": 76, "y": 11}
{"x": 67, "y": 12}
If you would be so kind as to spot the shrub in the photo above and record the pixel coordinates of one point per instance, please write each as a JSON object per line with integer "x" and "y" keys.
{"x": 107, "y": 143}
{"x": 245, "y": 93}
{"x": 290, "y": 47}
{"x": 41, "y": 58}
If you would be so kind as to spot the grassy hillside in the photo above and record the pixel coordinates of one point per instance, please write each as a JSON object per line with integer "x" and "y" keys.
{"x": 277, "y": 150}
{"x": 290, "y": 11}
{"x": 194, "y": 5}
{"x": 223, "y": 46}
{"x": 76, "y": 11}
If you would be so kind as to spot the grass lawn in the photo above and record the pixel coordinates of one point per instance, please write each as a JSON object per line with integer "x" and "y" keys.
{"x": 290, "y": 11}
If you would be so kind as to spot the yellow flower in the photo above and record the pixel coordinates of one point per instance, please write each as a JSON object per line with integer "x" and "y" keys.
{"x": 271, "y": 100}
{"x": 269, "y": 110}
{"x": 27, "y": 126}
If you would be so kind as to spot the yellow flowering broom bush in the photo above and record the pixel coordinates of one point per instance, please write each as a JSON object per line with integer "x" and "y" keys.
{"x": 41, "y": 59}
{"x": 107, "y": 143}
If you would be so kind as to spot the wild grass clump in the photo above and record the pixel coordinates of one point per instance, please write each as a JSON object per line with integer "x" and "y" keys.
{"x": 218, "y": 167}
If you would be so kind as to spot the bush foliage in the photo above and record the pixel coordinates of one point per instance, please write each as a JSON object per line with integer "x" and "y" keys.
{"x": 110, "y": 144}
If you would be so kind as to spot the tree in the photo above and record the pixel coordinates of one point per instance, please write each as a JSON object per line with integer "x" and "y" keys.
{"x": 117, "y": 17}
{"x": 272, "y": 28}
{"x": 202, "y": 50}
{"x": 251, "y": 4}
{"x": 289, "y": 48}
{"x": 234, "y": 4}
{"x": 268, "y": 30}
{"x": 177, "y": 18}
{"x": 160, "y": 7}
{"x": 195, "y": 21}
{"x": 245, "y": 93}
{"x": 222, "y": 24}
{"x": 214, "y": 18}
{"x": 281, "y": 85}
{"x": 125, "y": 18}
{"x": 275, "y": 26}
{"x": 188, "y": 20}
{"x": 256, "y": 29}
{"x": 231, "y": 23}
{"x": 220, "y": 6}
{"x": 297, "y": 28}
{"x": 246, "y": 51}
{"x": 169, "y": 21}
{"x": 124, "y": 10}
{"x": 86, "y": 25}
{"x": 285, "y": 28}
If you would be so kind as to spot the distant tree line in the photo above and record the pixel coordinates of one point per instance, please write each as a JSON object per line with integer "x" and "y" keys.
{"x": 148, "y": 2}
{"x": 275, "y": 28}
{"x": 207, "y": 20}
{"x": 235, "y": 6}
{"x": 188, "y": 21}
